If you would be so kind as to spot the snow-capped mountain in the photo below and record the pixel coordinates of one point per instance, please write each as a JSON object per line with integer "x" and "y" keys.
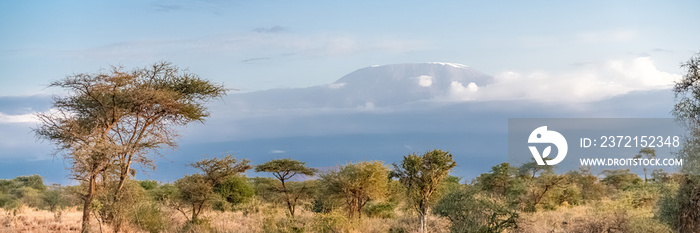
{"x": 373, "y": 86}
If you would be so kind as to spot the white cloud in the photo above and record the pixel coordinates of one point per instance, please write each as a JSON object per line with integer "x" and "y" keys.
{"x": 592, "y": 83}
{"x": 277, "y": 152}
{"x": 425, "y": 81}
{"x": 460, "y": 92}
{"x": 24, "y": 118}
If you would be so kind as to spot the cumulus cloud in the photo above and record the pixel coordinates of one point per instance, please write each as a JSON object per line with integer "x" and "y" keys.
{"x": 460, "y": 92}
{"x": 425, "y": 81}
{"x": 593, "y": 82}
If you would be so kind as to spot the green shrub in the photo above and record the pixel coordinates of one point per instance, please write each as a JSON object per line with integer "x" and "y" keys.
{"x": 149, "y": 184}
{"x": 8, "y": 202}
{"x": 472, "y": 210}
{"x": 150, "y": 217}
{"x": 380, "y": 210}
{"x": 235, "y": 190}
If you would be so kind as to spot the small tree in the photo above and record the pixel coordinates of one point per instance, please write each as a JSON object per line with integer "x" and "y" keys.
{"x": 500, "y": 180}
{"x": 198, "y": 189}
{"x": 648, "y": 153}
{"x": 620, "y": 178}
{"x": 422, "y": 176}
{"x": 356, "y": 184}
{"x": 531, "y": 169}
{"x": 284, "y": 170}
{"x": 473, "y": 210}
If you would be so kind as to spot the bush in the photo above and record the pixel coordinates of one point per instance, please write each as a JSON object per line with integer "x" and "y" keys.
{"x": 149, "y": 217}
{"x": 148, "y": 184}
{"x": 331, "y": 222}
{"x": 380, "y": 210}
{"x": 199, "y": 225}
{"x": 235, "y": 190}
{"x": 8, "y": 202}
{"x": 470, "y": 210}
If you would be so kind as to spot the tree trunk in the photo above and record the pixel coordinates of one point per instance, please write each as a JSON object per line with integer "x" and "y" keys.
{"x": 422, "y": 214}
{"x": 88, "y": 202}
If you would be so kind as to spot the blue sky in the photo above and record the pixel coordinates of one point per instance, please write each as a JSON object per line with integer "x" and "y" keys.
{"x": 255, "y": 45}
{"x": 588, "y": 55}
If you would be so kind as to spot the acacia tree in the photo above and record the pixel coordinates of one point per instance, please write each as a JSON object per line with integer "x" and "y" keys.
{"x": 648, "y": 153}
{"x": 422, "y": 176}
{"x": 198, "y": 189}
{"x": 356, "y": 184}
{"x": 112, "y": 119}
{"x": 284, "y": 170}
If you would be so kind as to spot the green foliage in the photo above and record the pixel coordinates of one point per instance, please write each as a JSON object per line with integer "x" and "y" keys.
{"x": 149, "y": 217}
{"x": 547, "y": 191}
{"x": 284, "y": 170}
{"x": 423, "y": 175}
{"x": 356, "y": 184}
{"x": 149, "y": 184}
{"x": 197, "y": 190}
{"x": 235, "y": 190}
{"x": 500, "y": 180}
{"x": 8, "y": 201}
{"x": 531, "y": 169}
{"x": 620, "y": 179}
{"x": 266, "y": 187}
{"x": 380, "y": 210}
{"x": 164, "y": 193}
{"x": 32, "y": 181}
{"x": 588, "y": 185}
{"x": 669, "y": 206}
{"x": 54, "y": 199}
{"x": 472, "y": 210}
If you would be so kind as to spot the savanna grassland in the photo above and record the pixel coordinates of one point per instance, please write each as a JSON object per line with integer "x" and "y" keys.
{"x": 528, "y": 198}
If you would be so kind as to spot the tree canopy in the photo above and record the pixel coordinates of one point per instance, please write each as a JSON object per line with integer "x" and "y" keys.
{"x": 114, "y": 118}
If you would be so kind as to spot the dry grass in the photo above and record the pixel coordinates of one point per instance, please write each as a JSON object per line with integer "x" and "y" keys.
{"x": 604, "y": 216}
{"x": 263, "y": 219}
{"x": 30, "y": 220}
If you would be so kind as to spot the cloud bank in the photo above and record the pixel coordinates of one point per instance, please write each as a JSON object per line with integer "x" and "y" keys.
{"x": 594, "y": 82}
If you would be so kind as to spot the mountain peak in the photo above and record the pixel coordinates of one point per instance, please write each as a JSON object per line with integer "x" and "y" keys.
{"x": 384, "y": 85}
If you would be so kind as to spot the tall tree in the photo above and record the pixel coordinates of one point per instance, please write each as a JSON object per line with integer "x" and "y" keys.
{"x": 687, "y": 111}
{"x": 422, "y": 176}
{"x": 284, "y": 170}
{"x": 356, "y": 184}
{"x": 112, "y": 119}
{"x": 648, "y": 153}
